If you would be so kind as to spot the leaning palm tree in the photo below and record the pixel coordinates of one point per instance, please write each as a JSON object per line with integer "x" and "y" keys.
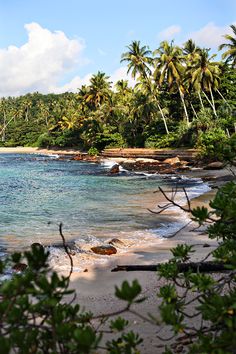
{"x": 169, "y": 68}
{"x": 139, "y": 62}
{"x": 150, "y": 88}
{"x": 205, "y": 76}
{"x": 230, "y": 54}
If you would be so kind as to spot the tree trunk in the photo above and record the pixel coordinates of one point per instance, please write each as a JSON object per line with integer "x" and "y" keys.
{"x": 184, "y": 105}
{"x": 223, "y": 98}
{"x": 200, "y": 98}
{"x": 213, "y": 102}
{"x": 163, "y": 117}
{"x": 210, "y": 103}
{"x": 195, "y": 113}
{"x": 194, "y": 267}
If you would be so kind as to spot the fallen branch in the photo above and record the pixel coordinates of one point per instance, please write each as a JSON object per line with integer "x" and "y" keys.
{"x": 194, "y": 267}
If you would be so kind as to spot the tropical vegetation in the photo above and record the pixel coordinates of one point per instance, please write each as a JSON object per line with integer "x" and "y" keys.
{"x": 181, "y": 95}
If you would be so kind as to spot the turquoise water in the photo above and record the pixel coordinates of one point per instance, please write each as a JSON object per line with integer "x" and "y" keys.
{"x": 38, "y": 192}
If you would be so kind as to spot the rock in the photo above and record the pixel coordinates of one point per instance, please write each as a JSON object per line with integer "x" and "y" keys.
{"x": 19, "y": 267}
{"x": 217, "y": 165}
{"x": 85, "y": 270}
{"x": 172, "y": 160}
{"x": 106, "y": 250}
{"x": 183, "y": 168}
{"x": 184, "y": 163}
{"x": 146, "y": 160}
{"x": 116, "y": 241}
{"x": 77, "y": 158}
{"x": 115, "y": 169}
{"x": 167, "y": 171}
{"x": 206, "y": 245}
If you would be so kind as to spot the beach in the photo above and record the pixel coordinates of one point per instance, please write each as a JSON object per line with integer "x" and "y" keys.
{"x": 95, "y": 288}
{"x": 35, "y": 150}
{"x": 95, "y": 285}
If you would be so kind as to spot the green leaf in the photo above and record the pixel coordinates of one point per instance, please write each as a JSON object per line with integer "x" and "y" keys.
{"x": 128, "y": 292}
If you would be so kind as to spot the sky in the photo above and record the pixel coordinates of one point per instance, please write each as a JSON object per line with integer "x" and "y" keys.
{"x": 57, "y": 45}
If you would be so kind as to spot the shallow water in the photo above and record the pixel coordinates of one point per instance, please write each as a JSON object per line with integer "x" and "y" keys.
{"x": 38, "y": 192}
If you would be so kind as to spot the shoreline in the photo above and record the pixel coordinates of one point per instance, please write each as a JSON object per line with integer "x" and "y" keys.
{"x": 95, "y": 287}
{"x": 35, "y": 150}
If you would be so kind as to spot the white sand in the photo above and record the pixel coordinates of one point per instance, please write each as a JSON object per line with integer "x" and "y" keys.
{"x": 95, "y": 289}
{"x": 35, "y": 150}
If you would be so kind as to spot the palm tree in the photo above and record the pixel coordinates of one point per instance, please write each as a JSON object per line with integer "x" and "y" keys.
{"x": 169, "y": 68}
{"x": 139, "y": 62}
{"x": 99, "y": 90}
{"x": 230, "y": 54}
{"x": 190, "y": 50}
{"x": 138, "y": 58}
{"x": 151, "y": 89}
{"x": 204, "y": 76}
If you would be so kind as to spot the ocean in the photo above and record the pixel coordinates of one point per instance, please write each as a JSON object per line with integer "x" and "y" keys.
{"x": 39, "y": 192}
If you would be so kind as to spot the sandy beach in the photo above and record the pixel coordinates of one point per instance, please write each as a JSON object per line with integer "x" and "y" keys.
{"x": 35, "y": 150}
{"x": 95, "y": 288}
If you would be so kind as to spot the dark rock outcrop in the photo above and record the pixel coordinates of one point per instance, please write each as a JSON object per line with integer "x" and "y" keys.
{"x": 217, "y": 165}
{"x": 115, "y": 169}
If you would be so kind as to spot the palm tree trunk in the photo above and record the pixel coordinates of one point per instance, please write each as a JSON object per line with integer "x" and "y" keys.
{"x": 213, "y": 102}
{"x": 200, "y": 98}
{"x": 164, "y": 118}
{"x": 223, "y": 97}
{"x": 184, "y": 105}
{"x": 210, "y": 103}
{"x": 195, "y": 113}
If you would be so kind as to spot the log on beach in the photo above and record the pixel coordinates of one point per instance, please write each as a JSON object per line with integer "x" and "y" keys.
{"x": 194, "y": 267}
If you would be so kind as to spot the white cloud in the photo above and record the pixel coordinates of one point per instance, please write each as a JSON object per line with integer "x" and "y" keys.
{"x": 121, "y": 74}
{"x": 210, "y": 35}
{"x": 73, "y": 85}
{"x": 77, "y": 81}
{"x": 40, "y": 63}
{"x": 169, "y": 32}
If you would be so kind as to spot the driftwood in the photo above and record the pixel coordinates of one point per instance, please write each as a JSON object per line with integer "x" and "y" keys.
{"x": 194, "y": 267}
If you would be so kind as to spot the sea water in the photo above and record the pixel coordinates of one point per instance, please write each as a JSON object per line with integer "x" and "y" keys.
{"x": 38, "y": 192}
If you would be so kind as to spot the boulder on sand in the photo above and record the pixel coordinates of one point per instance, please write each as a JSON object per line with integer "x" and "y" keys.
{"x": 217, "y": 165}
{"x": 105, "y": 250}
{"x": 172, "y": 160}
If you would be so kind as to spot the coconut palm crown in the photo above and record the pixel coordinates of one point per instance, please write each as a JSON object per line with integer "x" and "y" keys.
{"x": 230, "y": 54}
{"x": 138, "y": 58}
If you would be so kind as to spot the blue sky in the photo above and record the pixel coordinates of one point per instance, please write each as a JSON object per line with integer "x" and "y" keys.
{"x": 56, "y": 45}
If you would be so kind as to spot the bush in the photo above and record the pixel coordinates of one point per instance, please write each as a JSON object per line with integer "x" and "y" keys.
{"x": 34, "y": 317}
{"x": 44, "y": 141}
{"x": 109, "y": 140}
{"x": 211, "y": 143}
{"x": 156, "y": 141}
{"x": 93, "y": 151}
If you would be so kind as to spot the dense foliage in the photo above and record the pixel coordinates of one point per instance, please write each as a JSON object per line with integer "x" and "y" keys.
{"x": 182, "y": 97}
